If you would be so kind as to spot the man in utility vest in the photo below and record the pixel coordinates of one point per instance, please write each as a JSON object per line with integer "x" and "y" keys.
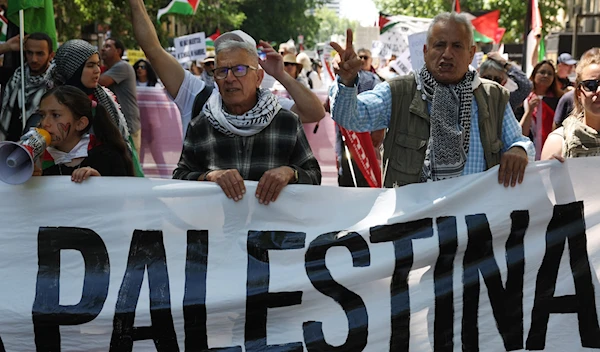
{"x": 443, "y": 120}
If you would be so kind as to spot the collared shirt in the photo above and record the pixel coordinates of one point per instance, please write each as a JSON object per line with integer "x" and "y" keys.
{"x": 372, "y": 110}
{"x": 282, "y": 143}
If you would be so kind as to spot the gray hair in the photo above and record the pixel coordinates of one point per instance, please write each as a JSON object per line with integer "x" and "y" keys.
{"x": 234, "y": 45}
{"x": 458, "y": 18}
{"x": 490, "y": 65}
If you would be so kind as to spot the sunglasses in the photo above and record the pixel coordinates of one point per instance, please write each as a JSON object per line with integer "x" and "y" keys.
{"x": 289, "y": 64}
{"x": 493, "y": 78}
{"x": 590, "y": 85}
{"x": 364, "y": 57}
{"x": 238, "y": 71}
{"x": 143, "y": 67}
{"x": 209, "y": 63}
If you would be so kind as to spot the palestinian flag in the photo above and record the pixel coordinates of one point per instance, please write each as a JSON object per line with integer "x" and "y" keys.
{"x": 4, "y": 29}
{"x": 385, "y": 23}
{"x": 180, "y": 7}
{"x": 210, "y": 40}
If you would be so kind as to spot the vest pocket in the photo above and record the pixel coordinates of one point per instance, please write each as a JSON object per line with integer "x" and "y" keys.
{"x": 408, "y": 154}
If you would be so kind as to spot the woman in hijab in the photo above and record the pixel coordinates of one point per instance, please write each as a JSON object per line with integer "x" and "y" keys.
{"x": 77, "y": 63}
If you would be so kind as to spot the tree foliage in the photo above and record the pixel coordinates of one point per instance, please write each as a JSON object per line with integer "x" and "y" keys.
{"x": 280, "y": 21}
{"x": 330, "y": 24}
{"x": 74, "y": 18}
{"x": 512, "y": 12}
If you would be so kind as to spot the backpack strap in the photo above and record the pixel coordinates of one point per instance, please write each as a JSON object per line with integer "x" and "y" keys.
{"x": 201, "y": 99}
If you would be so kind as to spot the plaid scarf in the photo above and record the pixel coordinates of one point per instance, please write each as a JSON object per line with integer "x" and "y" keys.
{"x": 249, "y": 124}
{"x": 450, "y": 114}
{"x": 35, "y": 87}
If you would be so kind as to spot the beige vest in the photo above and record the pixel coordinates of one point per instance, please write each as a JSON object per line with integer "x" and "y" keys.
{"x": 580, "y": 140}
{"x": 406, "y": 141}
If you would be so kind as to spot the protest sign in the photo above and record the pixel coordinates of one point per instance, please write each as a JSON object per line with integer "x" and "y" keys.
{"x": 190, "y": 47}
{"x": 122, "y": 264}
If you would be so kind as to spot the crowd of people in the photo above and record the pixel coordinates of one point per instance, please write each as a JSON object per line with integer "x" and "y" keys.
{"x": 443, "y": 120}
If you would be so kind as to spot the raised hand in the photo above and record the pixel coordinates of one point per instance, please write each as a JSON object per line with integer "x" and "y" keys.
{"x": 273, "y": 63}
{"x": 349, "y": 64}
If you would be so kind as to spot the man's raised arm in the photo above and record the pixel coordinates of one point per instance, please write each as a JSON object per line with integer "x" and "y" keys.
{"x": 166, "y": 66}
{"x": 306, "y": 104}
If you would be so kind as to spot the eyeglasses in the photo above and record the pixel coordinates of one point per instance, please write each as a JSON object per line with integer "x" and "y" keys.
{"x": 209, "y": 63}
{"x": 143, "y": 67}
{"x": 590, "y": 85}
{"x": 238, "y": 71}
{"x": 545, "y": 73}
{"x": 289, "y": 64}
{"x": 364, "y": 57}
{"x": 493, "y": 78}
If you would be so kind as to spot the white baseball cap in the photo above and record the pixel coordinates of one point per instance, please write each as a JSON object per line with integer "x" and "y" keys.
{"x": 237, "y": 35}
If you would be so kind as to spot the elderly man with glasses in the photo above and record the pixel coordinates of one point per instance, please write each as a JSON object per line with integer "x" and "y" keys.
{"x": 243, "y": 133}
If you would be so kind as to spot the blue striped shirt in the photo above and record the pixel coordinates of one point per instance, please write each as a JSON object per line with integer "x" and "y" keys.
{"x": 372, "y": 110}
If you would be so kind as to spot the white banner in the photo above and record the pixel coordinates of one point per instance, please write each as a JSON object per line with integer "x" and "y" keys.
{"x": 122, "y": 264}
{"x": 190, "y": 47}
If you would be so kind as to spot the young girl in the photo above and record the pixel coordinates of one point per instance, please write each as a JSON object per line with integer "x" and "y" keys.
{"x": 68, "y": 115}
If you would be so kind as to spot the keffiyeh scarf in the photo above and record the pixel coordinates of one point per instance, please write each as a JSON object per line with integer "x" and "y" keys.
{"x": 248, "y": 124}
{"x": 450, "y": 114}
{"x": 35, "y": 87}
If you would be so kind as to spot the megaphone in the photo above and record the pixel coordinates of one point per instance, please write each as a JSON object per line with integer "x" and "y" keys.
{"x": 17, "y": 160}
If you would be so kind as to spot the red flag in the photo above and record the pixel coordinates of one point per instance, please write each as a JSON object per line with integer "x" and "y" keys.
{"x": 456, "y": 6}
{"x": 499, "y": 34}
{"x": 382, "y": 21}
{"x": 487, "y": 24}
{"x": 215, "y": 35}
{"x": 362, "y": 151}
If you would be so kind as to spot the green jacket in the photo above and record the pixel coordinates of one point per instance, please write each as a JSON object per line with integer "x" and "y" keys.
{"x": 406, "y": 141}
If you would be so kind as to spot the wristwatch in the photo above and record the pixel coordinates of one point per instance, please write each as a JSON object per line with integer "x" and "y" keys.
{"x": 295, "y": 179}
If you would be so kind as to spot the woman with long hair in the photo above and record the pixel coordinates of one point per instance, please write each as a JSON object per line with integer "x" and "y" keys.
{"x": 540, "y": 105}
{"x": 579, "y": 135}
{"x": 144, "y": 74}
{"x": 68, "y": 115}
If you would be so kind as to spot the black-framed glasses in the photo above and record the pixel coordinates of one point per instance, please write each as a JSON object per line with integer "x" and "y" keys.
{"x": 364, "y": 57}
{"x": 493, "y": 78}
{"x": 590, "y": 85}
{"x": 237, "y": 70}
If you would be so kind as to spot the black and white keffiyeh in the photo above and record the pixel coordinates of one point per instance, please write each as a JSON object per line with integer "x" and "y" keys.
{"x": 450, "y": 116}
{"x": 248, "y": 124}
{"x": 35, "y": 87}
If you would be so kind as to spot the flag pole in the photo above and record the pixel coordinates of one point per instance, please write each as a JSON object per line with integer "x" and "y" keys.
{"x": 526, "y": 34}
{"x": 21, "y": 36}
